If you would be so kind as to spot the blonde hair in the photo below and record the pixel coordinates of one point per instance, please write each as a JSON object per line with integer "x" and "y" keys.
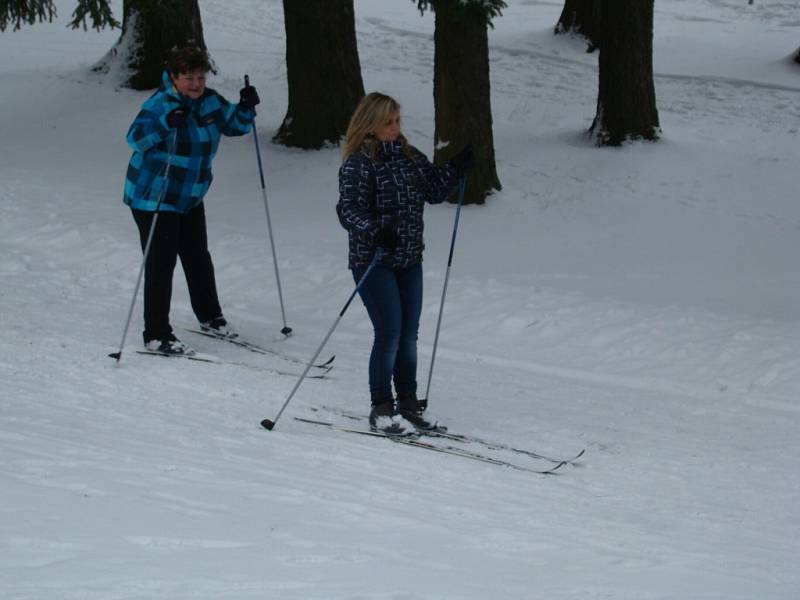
{"x": 374, "y": 110}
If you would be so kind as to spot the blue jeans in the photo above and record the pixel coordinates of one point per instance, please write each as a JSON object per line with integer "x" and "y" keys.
{"x": 393, "y": 299}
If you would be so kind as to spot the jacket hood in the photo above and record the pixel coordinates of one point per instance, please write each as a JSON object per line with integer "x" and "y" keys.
{"x": 166, "y": 84}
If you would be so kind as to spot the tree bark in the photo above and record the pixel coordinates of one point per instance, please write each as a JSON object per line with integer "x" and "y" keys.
{"x": 461, "y": 94}
{"x": 626, "y": 102}
{"x": 323, "y": 71}
{"x": 581, "y": 17}
{"x": 150, "y": 30}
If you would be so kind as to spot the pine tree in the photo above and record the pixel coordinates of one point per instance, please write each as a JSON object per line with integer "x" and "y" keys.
{"x": 626, "y": 100}
{"x": 461, "y": 88}
{"x": 323, "y": 72}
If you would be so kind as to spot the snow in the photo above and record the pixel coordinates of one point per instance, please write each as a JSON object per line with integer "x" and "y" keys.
{"x": 639, "y": 302}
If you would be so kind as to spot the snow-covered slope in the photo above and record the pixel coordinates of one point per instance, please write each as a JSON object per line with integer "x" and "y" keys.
{"x": 641, "y": 303}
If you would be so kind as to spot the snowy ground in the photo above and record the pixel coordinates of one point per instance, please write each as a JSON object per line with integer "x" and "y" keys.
{"x": 639, "y": 302}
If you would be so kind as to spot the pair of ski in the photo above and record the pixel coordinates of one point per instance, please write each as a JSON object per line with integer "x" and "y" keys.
{"x": 441, "y": 432}
{"x": 323, "y": 367}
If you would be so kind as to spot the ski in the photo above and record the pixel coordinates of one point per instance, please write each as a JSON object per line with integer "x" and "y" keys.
{"x": 207, "y": 358}
{"x": 236, "y": 341}
{"x": 189, "y": 356}
{"x": 417, "y": 443}
{"x": 442, "y": 432}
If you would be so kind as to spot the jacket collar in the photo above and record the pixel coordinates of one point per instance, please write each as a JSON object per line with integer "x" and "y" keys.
{"x": 391, "y": 148}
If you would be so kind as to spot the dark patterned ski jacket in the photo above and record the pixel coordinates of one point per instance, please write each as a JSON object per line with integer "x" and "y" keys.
{"x": 210, "y": 117}
{"x": 390, "y": 191}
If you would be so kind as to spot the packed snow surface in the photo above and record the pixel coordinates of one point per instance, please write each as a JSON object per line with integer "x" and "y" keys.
{"x": 642, "y": 303}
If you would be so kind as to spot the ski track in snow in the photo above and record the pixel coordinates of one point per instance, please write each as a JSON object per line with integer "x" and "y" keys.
{"x": 639, "y": 303}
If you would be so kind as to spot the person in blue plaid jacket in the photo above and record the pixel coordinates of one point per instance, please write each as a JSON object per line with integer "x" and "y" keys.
{"x": 174, "y": 139}
{"x": 384, "y": 184}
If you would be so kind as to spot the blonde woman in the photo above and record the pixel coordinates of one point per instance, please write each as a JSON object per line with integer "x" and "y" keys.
{"x": 383, "y": 186}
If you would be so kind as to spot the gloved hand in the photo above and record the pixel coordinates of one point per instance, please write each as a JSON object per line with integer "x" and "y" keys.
{"x": 248, "y": 96}
{"x": 464, "y": 159}
{"x": 386, "y": 238}
{"x": 177, "y": 117}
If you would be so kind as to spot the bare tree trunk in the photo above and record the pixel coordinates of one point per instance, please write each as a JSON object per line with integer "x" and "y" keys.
{"x": 581, "y": 17}
{"x": 461, "y": 94}
{"x": 150, "y": 30}
{"x": 323, "y": 71}
{"x": 626, "y": 102}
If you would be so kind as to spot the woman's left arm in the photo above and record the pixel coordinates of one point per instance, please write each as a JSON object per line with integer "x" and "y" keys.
{"x": 237, "y": 118}
{"x": 441, "y": 180}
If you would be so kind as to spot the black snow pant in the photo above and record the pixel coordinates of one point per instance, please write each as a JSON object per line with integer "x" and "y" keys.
{"x": 176, "y": 235}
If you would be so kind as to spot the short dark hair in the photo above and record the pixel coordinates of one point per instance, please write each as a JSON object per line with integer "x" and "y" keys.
{"x": 187, "y": 59}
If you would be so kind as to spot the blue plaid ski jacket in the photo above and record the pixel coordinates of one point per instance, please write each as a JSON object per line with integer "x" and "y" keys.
{"x": 210, "y": 117}
{"x": 390, "y": 191}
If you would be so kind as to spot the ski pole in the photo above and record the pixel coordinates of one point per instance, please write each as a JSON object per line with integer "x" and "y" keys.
{"x": 170, "y": 151}
{"x": 461, "y": 186}
{"x": 286, "y": 329}
{"x": 266, "y": 423}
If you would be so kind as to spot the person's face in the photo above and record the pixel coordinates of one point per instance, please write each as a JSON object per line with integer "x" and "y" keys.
{"x": 191, "y": 84}
{"x": 390, "y": 129}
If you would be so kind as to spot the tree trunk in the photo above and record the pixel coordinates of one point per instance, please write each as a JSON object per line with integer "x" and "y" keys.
{"x": 797, "y": 56}
{"x": 581, "y": 17}
{"x": 461, "y": 94}
{"x": 626, "y": 102}
{"x": 150, "y": 30}
{"x": 323, "y": 72}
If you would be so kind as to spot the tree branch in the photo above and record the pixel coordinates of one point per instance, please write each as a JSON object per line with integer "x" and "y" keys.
{"x": 98, "y": 10}
{"x": 28, "y": 12}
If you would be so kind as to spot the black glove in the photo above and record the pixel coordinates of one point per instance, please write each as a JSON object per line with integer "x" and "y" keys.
{"x": 177, "y": 117}
{"x": 248, "y": 96}
{"x": 464, "y": 159}
{"x": 386, "y": 238}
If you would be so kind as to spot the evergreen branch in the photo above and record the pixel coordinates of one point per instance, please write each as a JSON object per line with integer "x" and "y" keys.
{"x": 98, "y": 10}
{"x": 489, "y": 9}
{"x": 25, "y": 11}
